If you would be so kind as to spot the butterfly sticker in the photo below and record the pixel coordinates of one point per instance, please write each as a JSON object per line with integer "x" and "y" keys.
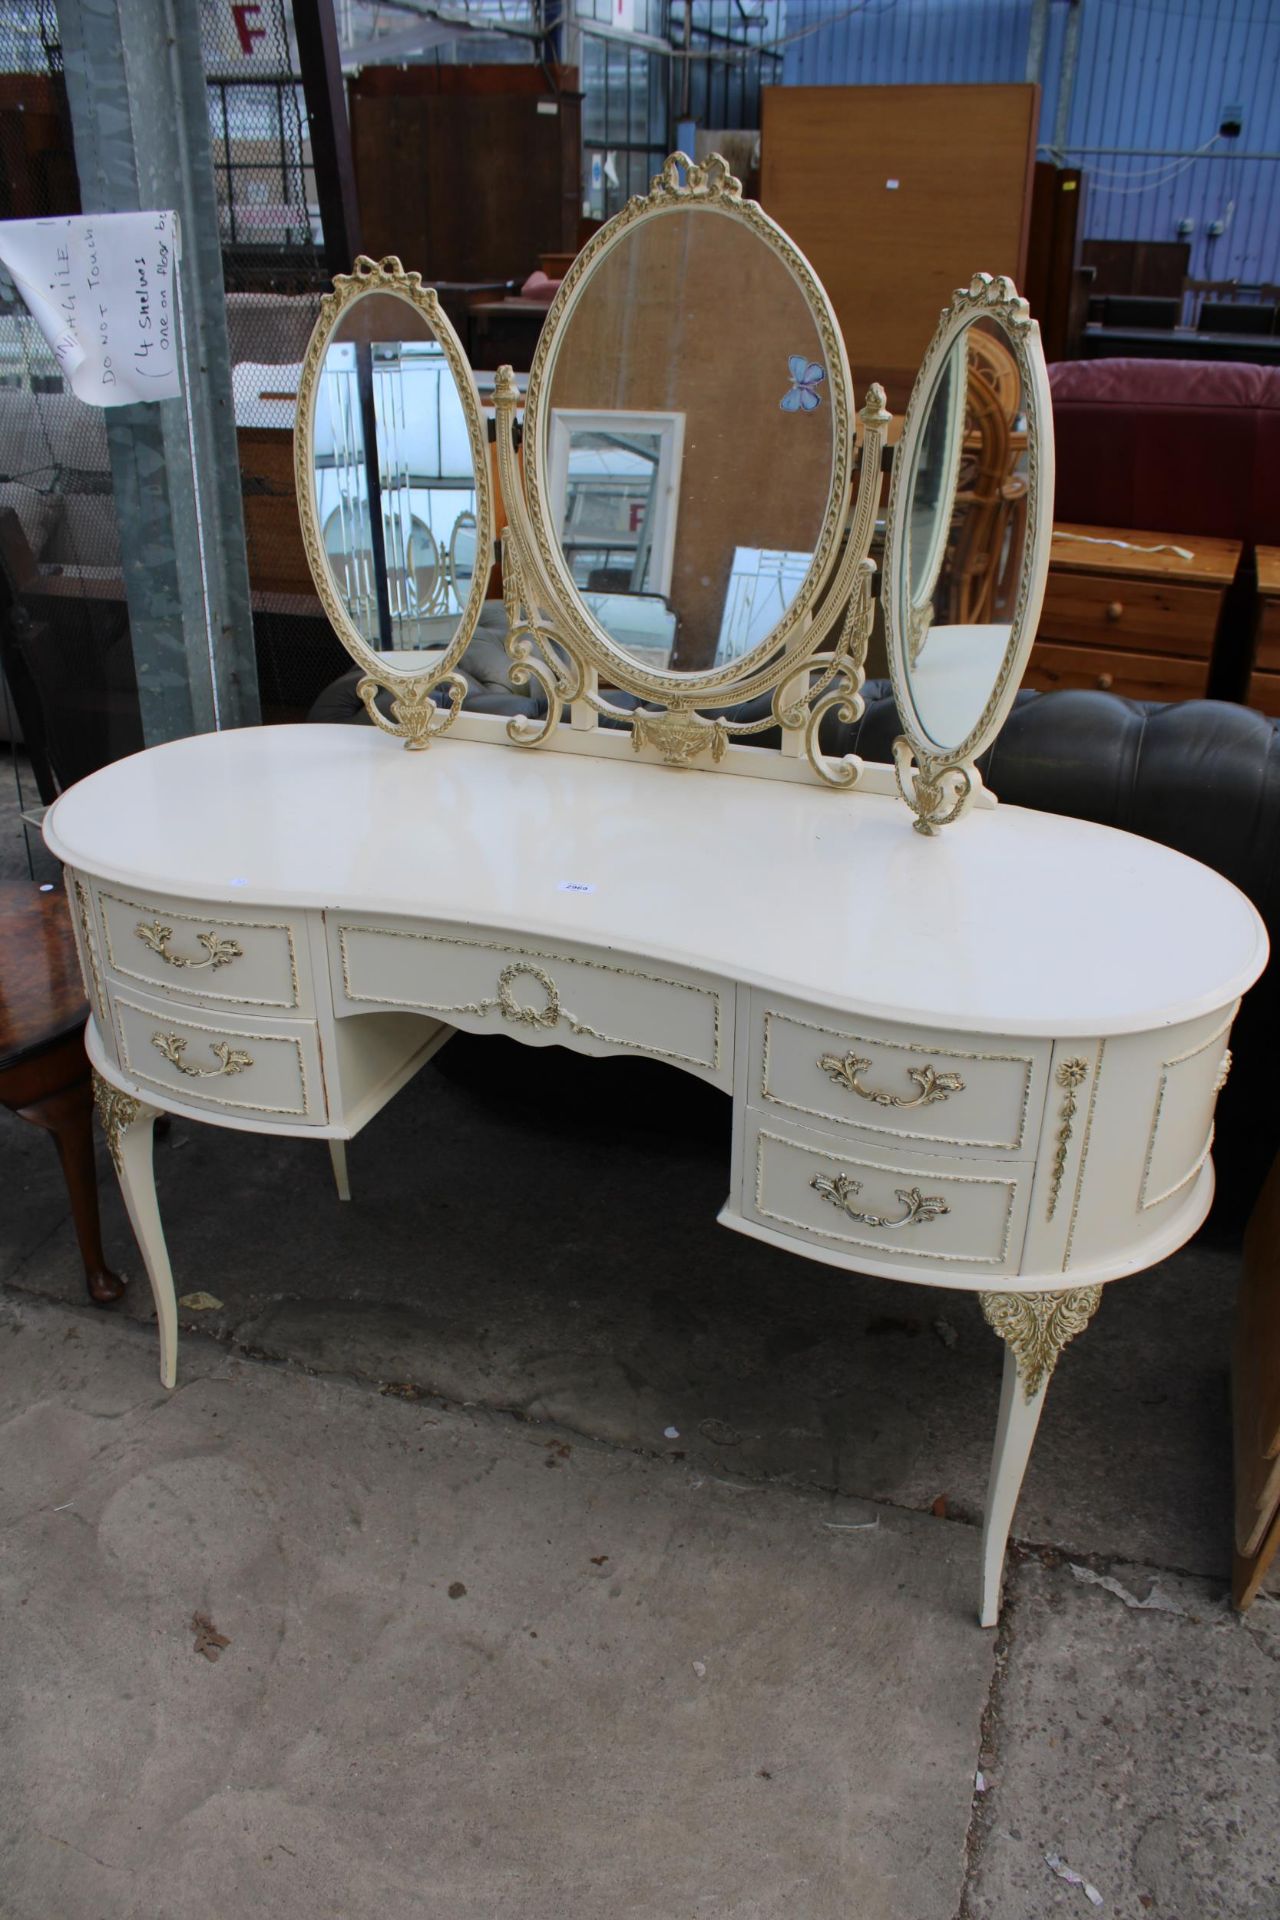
{"x": 803, "y": 396}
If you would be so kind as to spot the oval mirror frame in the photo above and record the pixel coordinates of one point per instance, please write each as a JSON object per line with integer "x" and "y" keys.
{"x": 707, "y": 191}
{"x": 941, "y": 783}
{"x": 415, "y": 715}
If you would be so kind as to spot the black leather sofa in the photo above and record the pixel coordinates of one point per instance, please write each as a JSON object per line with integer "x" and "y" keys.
{"x": 1202, "y": 777}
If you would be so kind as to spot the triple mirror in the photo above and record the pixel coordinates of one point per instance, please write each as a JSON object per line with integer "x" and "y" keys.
{"x": 690, "y": 508}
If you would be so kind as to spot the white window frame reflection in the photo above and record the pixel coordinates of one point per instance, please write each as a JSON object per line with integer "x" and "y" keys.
{"x": 656, "y": 538}
{"x": 763, "y": 584}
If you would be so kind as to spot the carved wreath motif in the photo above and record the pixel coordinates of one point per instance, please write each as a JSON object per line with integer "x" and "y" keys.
{"x": 1070, "y": 1075}
{"x": 230, "y": 1059}
{"x": 932, "y": 1086}
{"x": 511, "y": 1009}
{"x": 1037, "y": 1326}
{"x": 919, "y": 1209}
{"x": 218, "y": 952}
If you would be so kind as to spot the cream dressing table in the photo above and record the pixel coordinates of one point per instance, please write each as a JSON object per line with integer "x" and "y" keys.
{"x": 982, "y": 1058}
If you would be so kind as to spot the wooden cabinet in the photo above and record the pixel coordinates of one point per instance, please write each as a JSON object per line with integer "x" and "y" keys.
{"x": 895, "y": 196}
{"x": 1132, "y": 612}
{"x": 1264, "y": 682}
{"x": 469, "y": 173}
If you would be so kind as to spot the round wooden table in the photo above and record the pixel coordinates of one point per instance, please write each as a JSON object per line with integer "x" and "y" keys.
{"x": 44, "y": 1073}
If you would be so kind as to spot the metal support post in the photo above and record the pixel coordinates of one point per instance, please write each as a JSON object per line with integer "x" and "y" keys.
{"x": 323, "y": 87}
{"x": 1036, "y": 34}
{"x": 140, "y": 123}
{"x": 1067, "y": 79}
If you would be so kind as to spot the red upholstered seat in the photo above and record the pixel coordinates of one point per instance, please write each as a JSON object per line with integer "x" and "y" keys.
{"x": 1181, "y": 446}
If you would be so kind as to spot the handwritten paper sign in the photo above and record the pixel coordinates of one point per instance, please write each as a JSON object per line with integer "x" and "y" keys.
{"x": 101, "y": 288}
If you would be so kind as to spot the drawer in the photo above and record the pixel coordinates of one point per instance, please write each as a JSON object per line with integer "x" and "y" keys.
{"x": 897, "y": 1083}
{"x": 1139, "y": 676}
{"x": 913, "y": 1210}
{"x": 219, "y": 956}
{"x": 1191, "y": 1075}
{"x": 255, "y": 1068}
{"x": 540, "y": 994}
{"x": 1136, "y": 614}
{"x": 1264, "y": 692}
{"x": 1266, "y": 653}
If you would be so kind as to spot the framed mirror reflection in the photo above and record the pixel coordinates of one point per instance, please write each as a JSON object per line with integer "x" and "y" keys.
{"x": 393, "y": 481}
{"x": 688, "y": 438}
{"x": 970, "y": 519}
{"x": 689, "y": 503}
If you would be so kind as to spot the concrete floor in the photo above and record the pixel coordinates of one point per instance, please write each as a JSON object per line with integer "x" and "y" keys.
{"x": 727, "y": 1671}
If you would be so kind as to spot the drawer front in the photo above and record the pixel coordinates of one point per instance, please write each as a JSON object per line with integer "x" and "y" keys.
{"x": 915, "y": 1210}
{"x": 1266, "y": 653}
{"x": 1264, "y": 692}
{"x": 225, "y": 958}
{"x": 1139, "y": 676}
{"x": 1191, "y": 1074}
{"x": 539, "y": 994}
{"x": 259, "y": 1069}
{"x": 897, "y": 1083}
{"x": 1140, "y": 614}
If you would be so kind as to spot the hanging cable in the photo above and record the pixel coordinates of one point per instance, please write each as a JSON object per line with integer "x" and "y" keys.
{"x": 1161, "y": 166}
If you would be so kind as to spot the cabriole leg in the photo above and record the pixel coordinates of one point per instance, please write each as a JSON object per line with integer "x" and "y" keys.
{"x": 1035, "y": 1327}
{"x": 338, "y": 1159}
{"x": 127, "y": 1124}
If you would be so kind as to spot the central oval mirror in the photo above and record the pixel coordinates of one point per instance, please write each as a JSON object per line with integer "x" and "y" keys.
{"x": 687, "y": 452}
{"x": 969, "y": 524}
{"x": 393, "y": 475}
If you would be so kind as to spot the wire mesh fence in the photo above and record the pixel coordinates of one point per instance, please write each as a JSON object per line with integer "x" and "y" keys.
{"x": 68, "y": 693}
{"x": 275, "y": 278}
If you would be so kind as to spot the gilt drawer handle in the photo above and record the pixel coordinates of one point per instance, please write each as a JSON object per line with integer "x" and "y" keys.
{"x": 217, "y": 951}
{"x": 932, "y": 1085}
{"x": 230, "y": 1059}
{"x": 919, "y": 1208}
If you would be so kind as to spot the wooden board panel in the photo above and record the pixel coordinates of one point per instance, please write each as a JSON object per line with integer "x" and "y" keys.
{"x": 1153, "y": 267}
{"x": 898, "y": 195}
{"x": 1053, "y": 254}
{"x": 469, "y": 180}
{"x": 1139, "y": 676}
{"x": 273, "y": 533}
{"x": 1130, "y": 614}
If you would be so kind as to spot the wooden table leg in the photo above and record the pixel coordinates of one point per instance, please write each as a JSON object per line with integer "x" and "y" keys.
{"x": 68, "y": 1116}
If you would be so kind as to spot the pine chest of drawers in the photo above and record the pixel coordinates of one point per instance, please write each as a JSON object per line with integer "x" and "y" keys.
{"x": 1130, "y": 620}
